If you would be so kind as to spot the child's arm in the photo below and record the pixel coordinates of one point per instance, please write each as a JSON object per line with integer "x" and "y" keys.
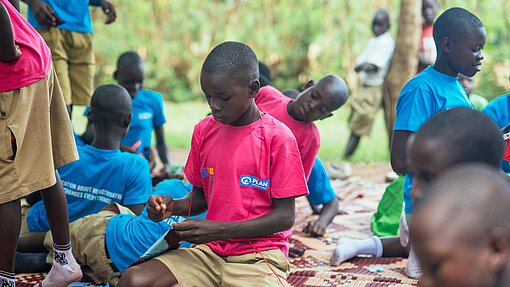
{"x": 399, "y": 151}
{"x": 163, "y": 151}
{"x": 108, "y": 9}
{"x": 43, "y": 13}
{"x": 162, "y": 207}
{"x": 317, "y": 228}
{"x": 202, "y": 231}
{"x": 9, "y": 51}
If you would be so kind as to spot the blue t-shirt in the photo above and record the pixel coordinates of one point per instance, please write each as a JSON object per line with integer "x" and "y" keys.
{"x": 147, "y": 114}
{"x": 499, "y": 110}
{"x": 74, "y": 13}
{"x": 319, "y": 185}
{"x": 98, "y": 178}
{"x": 78, "y": 140}
{"x": 128, "y": 236}
{"x": 422, "y": 97}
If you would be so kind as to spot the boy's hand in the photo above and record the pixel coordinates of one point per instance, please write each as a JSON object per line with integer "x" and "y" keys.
{"x": 109, "y": 10}
{"x": 315, "y": 229}
{"x": 44, "y": 14}
{"x": 160, "y": 207}
{"x": 198, "y": 230}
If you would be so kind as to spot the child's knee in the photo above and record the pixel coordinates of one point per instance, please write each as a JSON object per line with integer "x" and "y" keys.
{"x": 132, "y": 278}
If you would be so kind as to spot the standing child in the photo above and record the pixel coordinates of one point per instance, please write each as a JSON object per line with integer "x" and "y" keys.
{"x": 246, "y": 172}
{"x": 317, "y": 101}
{"x": 36, "y": 138}
{"x": 461, "y": 229}
{"x": 371, "y": 66}
{"x": 427, "y": 48}
{"x": 460, "y": 37}
{"x": 66, "y": 27}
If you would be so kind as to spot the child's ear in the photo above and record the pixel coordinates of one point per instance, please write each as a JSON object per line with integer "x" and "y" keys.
{"x": 446, "y": 45}
{"x": 127, "y": 121}
{"x": 90, "y": 118}
{"x": 499, "y": 249}
{"x": 254, "y": 87}
{"x": 308, "y": 85}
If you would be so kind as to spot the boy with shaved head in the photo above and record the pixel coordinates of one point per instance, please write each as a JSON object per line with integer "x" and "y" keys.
{"x": 246, "y": 172}
{"x": 316, "y": 102}
{"x": 103, "y": 174}
{"x": 461, "y": 229}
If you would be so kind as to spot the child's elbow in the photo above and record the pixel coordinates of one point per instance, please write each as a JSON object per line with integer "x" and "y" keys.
{"x": 287, "y": 220}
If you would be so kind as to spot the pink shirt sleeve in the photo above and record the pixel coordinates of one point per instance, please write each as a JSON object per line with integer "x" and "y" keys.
{"x": 309, "y": 148}
{"x": 287, "y": 176}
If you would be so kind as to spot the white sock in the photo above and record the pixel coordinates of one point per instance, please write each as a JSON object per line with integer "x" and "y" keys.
{"x": 347, "y": 248}
{"x": 7, "y": 279}
{"x": 65, "y": 270}
{"x": 413, "y": 268}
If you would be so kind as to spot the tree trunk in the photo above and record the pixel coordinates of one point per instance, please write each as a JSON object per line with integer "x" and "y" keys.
{"x": 405, "y": 58}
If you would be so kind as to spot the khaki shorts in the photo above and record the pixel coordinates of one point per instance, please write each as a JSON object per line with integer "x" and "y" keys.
{"x": 199, "y": 266}
{"x": 36, "y": 117}
{"x": 364, "y": 104}
{"x": 73, "y": 58}
{"x": 89, "y": 244}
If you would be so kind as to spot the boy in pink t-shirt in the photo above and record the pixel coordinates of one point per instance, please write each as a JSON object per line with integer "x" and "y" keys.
{"x": 246, "y": 171}
{"x": 35, "y": 139}
{"x": 317, "y": 101}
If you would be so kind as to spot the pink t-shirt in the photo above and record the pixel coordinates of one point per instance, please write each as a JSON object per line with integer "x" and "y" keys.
{"x": 241, "y": 169}
{"x": 427, "y": 47}
{"x": 271, "y": 101}
{"x": 35, "y": 60}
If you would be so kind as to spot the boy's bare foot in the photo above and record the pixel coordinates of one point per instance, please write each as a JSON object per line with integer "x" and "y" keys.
{"x": 65, "y": 270}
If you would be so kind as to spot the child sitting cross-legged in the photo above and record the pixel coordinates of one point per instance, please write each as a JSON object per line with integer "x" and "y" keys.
{"x": 246, "y": 172}
{"x": 109, "y": 241}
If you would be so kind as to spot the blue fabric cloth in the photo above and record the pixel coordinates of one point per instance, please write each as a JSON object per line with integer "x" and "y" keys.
{"x": 74, "y": 13}
{"x": 319, "y": 185}
{"x": 499, "y": 110}
{"x": 422, "y": 97}
{"x": 129, "y": 236}
{"x": 100, "y": 177}
{"x": 147, "y": 114}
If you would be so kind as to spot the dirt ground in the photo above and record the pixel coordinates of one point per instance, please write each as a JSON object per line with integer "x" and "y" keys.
{"x": 372, "y": 172}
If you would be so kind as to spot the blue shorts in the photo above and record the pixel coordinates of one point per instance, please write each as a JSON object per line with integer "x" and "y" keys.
{"x": 319, "y": 186}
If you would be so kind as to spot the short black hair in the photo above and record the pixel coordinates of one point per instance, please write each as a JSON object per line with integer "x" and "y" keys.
{"x": 265, "y": 74}
{"x": 453, "y": 23}
{"x": 384, "y": 13}
{"x": 110, "y": 105}
{"x": 473, "y": 194}
{"x": 468, "y": 135}
{"x": 130, "y": 59}
{"x": 234, "y": 59}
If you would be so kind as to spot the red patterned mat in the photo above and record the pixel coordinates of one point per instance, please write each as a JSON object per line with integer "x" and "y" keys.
{"x": 359, "y": 200}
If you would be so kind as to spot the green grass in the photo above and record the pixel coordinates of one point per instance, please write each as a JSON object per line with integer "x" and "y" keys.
{"x": 182, "y": 117}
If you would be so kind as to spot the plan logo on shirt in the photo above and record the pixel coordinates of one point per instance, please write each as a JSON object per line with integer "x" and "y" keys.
{"x": 144, "y": 116}
{"x": 252, "y": 181}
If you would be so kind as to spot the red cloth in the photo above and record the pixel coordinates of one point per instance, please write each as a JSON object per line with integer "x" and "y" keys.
{"x": 35, "y": 60}
{"x": 506, "y": 155}
{"x": 271, "y": 101}
{"x": 228, "y": 162}
{"x": 427, "y": 47}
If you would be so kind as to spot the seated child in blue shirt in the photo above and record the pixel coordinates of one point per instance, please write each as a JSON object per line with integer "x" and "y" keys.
{"x": 499, "y": 110}
{"x": 121, "y": 238}
{"x": 460, "y": 37}
{"x": 103, "y": 174}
